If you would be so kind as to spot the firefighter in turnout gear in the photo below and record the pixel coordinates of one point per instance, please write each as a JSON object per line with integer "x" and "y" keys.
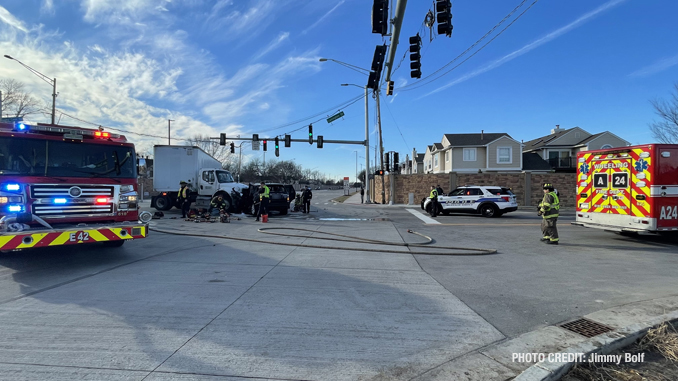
{"x": 264, "y": 197}
{"x": 182, "y": 199}
{"x": 434, "y": 201}
{"x": 218, "y": 208}
{"x": 548, "y": 209}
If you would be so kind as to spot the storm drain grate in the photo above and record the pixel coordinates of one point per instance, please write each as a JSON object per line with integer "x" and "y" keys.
{"x": 586, "y": 327}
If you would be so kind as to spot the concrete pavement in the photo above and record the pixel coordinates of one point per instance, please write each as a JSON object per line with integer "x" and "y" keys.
{"x": 204, "y": 308}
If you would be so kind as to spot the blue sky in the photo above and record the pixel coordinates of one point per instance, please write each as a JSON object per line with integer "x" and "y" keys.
{"x": 252, "y": 66}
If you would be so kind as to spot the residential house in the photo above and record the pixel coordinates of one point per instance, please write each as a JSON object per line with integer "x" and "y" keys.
{"x": 484, "y": 152}
{"x": 560, "y": 148}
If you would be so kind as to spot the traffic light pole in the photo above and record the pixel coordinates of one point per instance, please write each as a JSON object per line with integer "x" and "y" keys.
{"x": 367, "y": 150}
{"x": 381, "y": 147}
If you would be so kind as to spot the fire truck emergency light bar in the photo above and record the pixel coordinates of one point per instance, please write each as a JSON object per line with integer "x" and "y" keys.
{"x": 61, "y": 130}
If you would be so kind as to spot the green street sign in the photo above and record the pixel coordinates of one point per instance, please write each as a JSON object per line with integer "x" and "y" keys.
{"x": 335, "y": 117}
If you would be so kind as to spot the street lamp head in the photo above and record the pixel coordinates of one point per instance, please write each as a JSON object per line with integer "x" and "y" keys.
{"x": 345, "y": 84}
{"x": 8, "y": 57}
{"x": 321, "y": 60}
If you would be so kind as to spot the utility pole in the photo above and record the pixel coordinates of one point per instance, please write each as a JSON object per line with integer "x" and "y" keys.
{"x": 367, "y": 150}
{"x": 381, "y": 148}
{"x": 169, "y": 128}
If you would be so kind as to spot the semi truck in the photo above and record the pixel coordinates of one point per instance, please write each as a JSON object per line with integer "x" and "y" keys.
{"x": 202, "y": 172}
{"x": 62, "y": 185}
{"x": 629, "y": 189}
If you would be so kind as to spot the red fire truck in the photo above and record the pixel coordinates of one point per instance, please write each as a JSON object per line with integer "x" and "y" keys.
{"x": 629, "y": 189}
{"x": 66, "y": 185}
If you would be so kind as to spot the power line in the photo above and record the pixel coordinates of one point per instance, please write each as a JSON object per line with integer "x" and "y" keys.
{"x": 422, "y": 82}
{"x": 398, "y": 127}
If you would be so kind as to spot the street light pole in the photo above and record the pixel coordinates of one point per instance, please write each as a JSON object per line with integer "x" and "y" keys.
{"x": 367, "y": 142}
{"x": 51, "y": 81}
{"x": 169, "y": 127}
{"x": 356, "y": 166}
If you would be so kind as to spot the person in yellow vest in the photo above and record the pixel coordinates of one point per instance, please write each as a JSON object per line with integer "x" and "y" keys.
{"x": 434, "y": 201}
{"x": 183, "y": 198}
{"x": 264, "y": 196}
{"x": 548, "y": 209}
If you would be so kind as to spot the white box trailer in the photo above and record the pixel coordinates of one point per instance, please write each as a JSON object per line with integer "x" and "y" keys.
{"x": 172, "y": 164}
{"x": 203, "y": 173}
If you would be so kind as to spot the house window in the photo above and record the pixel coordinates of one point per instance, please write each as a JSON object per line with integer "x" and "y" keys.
{"x": 469, "y": 154}
{"x": 447, "y": 156}
{"x": 435, "y": 161}
{"x": 606, "y": 146}
{"x": 561, "y": 159}
{"x": 504, "y": 155}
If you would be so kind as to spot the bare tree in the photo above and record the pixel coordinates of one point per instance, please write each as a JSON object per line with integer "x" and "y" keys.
{"x": 666, "y": 130}
{"x": 219, "y": 152}
{"x": 16, "y": 102}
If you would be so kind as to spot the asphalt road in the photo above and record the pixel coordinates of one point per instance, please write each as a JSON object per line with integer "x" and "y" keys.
{"x": 180, "y": 307}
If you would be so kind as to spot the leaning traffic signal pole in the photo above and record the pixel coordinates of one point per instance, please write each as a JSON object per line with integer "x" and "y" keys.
{"x": 381, "y": 148}
{"x": 395, "y": 35}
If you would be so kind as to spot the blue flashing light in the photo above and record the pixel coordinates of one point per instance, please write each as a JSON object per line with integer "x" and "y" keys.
{"x": 21, "y": 126}
{"x": 15, "y": 208}
{"x": 59, "y": 201}
{"x": 12, "y": 187}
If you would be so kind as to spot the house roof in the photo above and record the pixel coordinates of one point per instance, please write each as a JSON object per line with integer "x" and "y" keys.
{"x": 590, "y": 138}
{"x": 544, "y": 140}
{"x": 533, "y": 162}
{"x": 420, "y": 157}
{"x": 438, "y": 146}
{"x": 459, "y": 140}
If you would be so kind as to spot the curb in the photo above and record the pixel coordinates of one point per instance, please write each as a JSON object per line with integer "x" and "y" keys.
{"x": 603, "y": 344}
{"x": 495, "y": 362}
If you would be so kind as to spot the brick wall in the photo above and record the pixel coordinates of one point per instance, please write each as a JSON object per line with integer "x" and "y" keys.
{"x": 526, "y": 186}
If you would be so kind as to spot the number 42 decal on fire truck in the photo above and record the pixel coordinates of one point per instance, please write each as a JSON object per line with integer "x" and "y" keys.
{"x": 79, "y": 237}
{"x": 669, "y": 213}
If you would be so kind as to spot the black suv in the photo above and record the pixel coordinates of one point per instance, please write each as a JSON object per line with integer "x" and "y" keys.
{"x": 279, "y": 198}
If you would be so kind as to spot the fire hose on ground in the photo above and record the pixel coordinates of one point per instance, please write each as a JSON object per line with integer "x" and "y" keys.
{"x": 344, "y": 238}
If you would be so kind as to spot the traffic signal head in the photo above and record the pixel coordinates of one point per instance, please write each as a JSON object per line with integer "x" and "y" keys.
{"x": 255, "y": 137}
{"x": 310, "y": 134}
{"x": 386, "y": 164}
{"x": 389, "y": 89}
{"x": 415, "y": 56}
{"x": 444, "y": 17}
{"x": 264, "y": 145}
{"x": 320, "y": 141}
{"x": 379, "y": 172}
{"x": 377, "y": 66}
{"x": 222, "y": 139}
{"x": 232, "y": 147}
{"x": 288, "y": 141}
{"x": 277, "y": 147}
{"x": 380, "y": 17}
{"x": 396, "y": 160}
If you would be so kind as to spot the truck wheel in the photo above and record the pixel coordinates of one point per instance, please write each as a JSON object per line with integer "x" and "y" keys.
{"x": 117, "y": 243}
{"x": 489, "y": 211}
{"x": 163, "y": 203}
{"x": 284, "y": 211}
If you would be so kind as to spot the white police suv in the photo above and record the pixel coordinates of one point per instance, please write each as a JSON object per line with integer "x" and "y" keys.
{"x": 489, "y": 201}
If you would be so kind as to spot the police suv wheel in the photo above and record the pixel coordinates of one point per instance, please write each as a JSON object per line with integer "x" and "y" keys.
{"x": 489, "y": 211}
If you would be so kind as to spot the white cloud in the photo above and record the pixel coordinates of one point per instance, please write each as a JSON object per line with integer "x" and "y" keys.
{"x": 323, "y": 17}
{"x": 47, "y": 7}
{"x": 237, "y": 23}
{"x": 282, "y": 37}
{"x": 540, "y": 41}
{"x": 656, "y": 67}
{"x": 12, "y": 21}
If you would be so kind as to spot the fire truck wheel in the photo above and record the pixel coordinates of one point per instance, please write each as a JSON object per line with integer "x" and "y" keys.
{"x": 117, "y": 243}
